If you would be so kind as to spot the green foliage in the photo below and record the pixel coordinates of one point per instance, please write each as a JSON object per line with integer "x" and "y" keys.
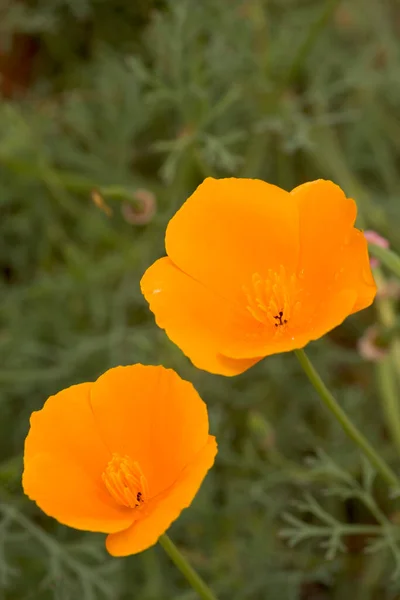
{"x": 156, "y": 96}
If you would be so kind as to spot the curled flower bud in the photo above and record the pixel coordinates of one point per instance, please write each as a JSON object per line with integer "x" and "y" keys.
{"x": 142, "y": 210}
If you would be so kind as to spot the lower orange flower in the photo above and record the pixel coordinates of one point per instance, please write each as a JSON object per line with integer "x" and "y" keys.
{"x": 123, "y": 455}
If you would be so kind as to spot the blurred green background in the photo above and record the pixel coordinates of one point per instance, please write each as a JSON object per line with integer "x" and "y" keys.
{"x": 138, "y": 102}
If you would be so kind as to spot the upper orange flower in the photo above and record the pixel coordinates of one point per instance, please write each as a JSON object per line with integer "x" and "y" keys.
{"x": 123, "y": 455}
{"x": 253, "y": 270}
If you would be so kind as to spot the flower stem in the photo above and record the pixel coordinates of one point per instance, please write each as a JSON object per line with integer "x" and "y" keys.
{"x": 387, "y": 257}
{"x": 390, "y": 399}
{"x": 180, "y": 561}
{"x": 351, "y": 430}
{"x": 309, "y": 41}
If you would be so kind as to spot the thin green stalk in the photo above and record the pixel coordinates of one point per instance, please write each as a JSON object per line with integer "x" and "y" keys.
{"x": 326, "y": 530}
{"x": 309, "y": 41}
{"x": 73, "y": 182}
{"x": 334, "y": 163}
{"x": 269, "y": 103}
{"x": 388, "y": 369}
{"x": 374, "y": 567}
{"x": 351, "y": 430}
{"x": 387, "y": 316}
{"x": 387, "y": 257}
{"x": 189, "y": 573}
{"x": 390, "y": 399}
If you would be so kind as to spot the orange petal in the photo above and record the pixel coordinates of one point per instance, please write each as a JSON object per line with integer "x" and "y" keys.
{"x": 355, "y": 272}
{"x": 265, "y": 346}
{"x": 165, "y": 509}
{"x": 65, "y": 427}
{"x": 341, "y": 260}
{"x": 63, "y": 461}
{"x": 236, "y": 366}
{"x": 199, "y": 321}
{"x": 64, "y": 491}
{"x": 332, "y": 312}
{"x": 153, "y": 416}
{"x": 230, "y": 229}
{"x": 326, "y": 222}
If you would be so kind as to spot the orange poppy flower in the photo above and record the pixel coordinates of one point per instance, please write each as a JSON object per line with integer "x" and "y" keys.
{"x": 253, "y": 270}
{"x": 123, "y": 455}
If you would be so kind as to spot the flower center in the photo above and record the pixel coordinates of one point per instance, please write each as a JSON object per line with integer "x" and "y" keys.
{"x": 273, "y": 300}
{"x": 125, "y": 481}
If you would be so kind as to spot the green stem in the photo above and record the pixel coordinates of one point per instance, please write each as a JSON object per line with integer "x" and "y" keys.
{"x": 387, "y": 316}
{"x": 388, "y": 258}
{"x": 325, "y": 530}
{"x": 180, "y": 561}
{"x": 74, "y": 182}
{"x": 390, "y": 399}
{"x": 309, "y": 41}
{"x": 270, "y": 103}
{"x": 352, "y": 431}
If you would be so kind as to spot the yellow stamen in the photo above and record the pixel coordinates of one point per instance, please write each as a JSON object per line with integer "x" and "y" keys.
{"x": 273, "y": 300}
{"x": 125, "y": 481}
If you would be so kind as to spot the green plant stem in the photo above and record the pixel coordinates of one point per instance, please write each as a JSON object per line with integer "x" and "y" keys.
{"x": 309, "y": 41}
{"x": 387, "y": 316}
{"x": 326, "y": 530}
{"x": 387, "y": 257}
{"x": 74, "y": 182}
{"x": 390, "y": 399}
{"x": 189, "y": 573}
{"x": 334, "y": 162}
{"x": 351, "y": 430}
{"x": 269, "y": 103}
